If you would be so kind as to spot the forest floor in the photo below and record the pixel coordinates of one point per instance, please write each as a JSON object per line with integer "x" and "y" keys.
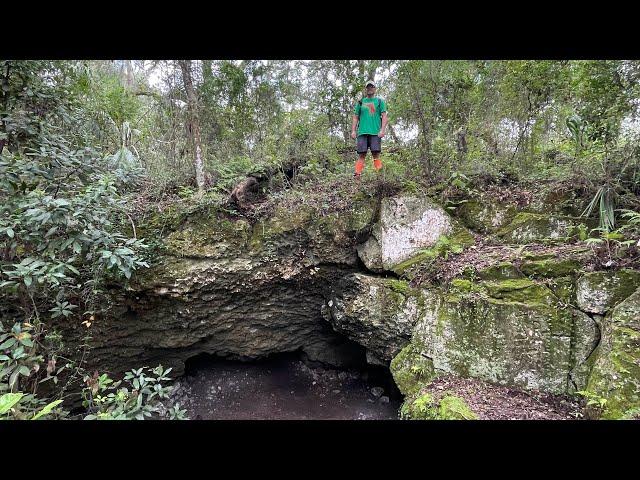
{"x": 493, "y": 402}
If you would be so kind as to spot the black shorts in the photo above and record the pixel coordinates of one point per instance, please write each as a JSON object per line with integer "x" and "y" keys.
{"x": 365, "y": 142}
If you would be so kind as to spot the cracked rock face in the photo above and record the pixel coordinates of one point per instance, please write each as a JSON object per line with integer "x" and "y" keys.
{"x": 407, "y": 225}
{"x": 586, "y": 337}
{"x": 291, "y": 283}
{"x": 616, "y": 370}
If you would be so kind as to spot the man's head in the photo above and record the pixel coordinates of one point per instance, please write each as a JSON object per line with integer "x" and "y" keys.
{"x": 370, "y": 87}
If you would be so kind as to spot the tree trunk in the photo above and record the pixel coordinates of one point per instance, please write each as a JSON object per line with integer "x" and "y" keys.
{"x": 393, "y": 133}
{"x": 5, "y": 105}
{"x": 207, "y": 70}
{"x": 194, "y": 127}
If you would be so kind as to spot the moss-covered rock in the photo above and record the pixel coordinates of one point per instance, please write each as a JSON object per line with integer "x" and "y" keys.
{"x": 512, "y": 334}
{"x": 564, "y": 288}
{"x": 554, "y": 200}
{"x": 520, "y": 290}
{"x": 455, "y": 243}
{"x": 537, "y": 228}
{"x": 500, "y": 271}
{"x": 455, "y": 408}
{"x": 485, "y": 215}
{"x": 375, "y": 312}
{"x": 615, "y": 378}
{"x": 550, "y": 267}
{"x": 598, "y": 292}
{"x": 411, "y": 370}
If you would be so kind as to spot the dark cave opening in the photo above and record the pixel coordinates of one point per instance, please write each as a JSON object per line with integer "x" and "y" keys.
{"x": 285, "y": 385}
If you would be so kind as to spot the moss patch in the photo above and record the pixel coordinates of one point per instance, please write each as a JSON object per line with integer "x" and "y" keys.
{"x": 426, "y": 407}
{"x": 501, "y": 271}
{"x": 484, "y": 215}
{"x": 550, "y": 267}
{"x": 520, "y": 290}
{"x": 411, "y": 370}
{"x": 455, "y": 243}
{"x": 400, "y": 286}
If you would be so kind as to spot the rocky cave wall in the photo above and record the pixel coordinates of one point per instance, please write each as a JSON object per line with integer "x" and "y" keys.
{"x": 299, "y": 281}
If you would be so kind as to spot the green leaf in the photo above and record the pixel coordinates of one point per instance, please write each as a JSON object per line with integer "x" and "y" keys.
{"x": 8, "y": 344}
{"x": 8, "y": 400}
{"x": 13, "y": 378}
{"x": 73, "y": 269}
{"x": 47, "y": 409}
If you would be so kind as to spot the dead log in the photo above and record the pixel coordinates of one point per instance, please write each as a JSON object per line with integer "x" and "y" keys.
{"x": 243, "y": 193}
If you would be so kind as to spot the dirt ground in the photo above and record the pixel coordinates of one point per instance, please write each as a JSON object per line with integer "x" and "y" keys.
{"x": 493, "y": 402}
{"x": 283, "y": 388}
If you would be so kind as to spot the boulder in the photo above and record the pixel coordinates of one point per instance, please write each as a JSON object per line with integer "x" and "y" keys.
{"x": 510, "y": 332}
{"x": 407, "y": 225}
{"x": 411, "y": 369}
{"x": 378, "y": 313}
{"x": 598, "y": 292}
{"x": 485, "y": 215}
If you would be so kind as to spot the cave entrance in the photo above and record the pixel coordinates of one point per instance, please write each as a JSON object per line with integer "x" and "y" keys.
{"x": 285, "y": 386}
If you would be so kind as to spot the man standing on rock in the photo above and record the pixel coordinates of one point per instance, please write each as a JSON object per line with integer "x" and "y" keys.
{"x": 370, "y": 120}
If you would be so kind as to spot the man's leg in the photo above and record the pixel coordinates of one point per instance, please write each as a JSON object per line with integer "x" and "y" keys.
{"x": 376, "y": 149}
{"x": 377, "y": 163}
{"x": 361, "y": 148}
{"x": 360, "y": 163}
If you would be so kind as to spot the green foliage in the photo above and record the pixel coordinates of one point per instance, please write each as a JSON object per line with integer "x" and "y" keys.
{"x": 18, "y": 357}
{"x": 136, "y": 397}
{"x": 614, "y": 247}
{"x": 60, "y": 209}
{"x": 593, "y": 399}
{"x": 604, "y": 199}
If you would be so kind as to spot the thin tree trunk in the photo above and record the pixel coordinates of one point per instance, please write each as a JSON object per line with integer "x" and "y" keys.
{"x": 207, "y": 70}
{"x": 192, "y": 104}
{"x": 393, "y": 133}
{"x": 423, "y": 127}
{"x": 5, "y": 104}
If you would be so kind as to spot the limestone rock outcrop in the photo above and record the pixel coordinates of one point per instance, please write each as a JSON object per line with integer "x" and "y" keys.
{"x": 293, "y": 281}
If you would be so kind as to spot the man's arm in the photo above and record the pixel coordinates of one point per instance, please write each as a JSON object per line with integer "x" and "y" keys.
{"x": 384, "y": 124}
{"x": 354, "y": 125}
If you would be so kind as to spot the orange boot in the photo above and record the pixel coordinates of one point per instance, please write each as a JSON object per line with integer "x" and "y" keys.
{"x": 377, "y": 163}
{"x": 359, "y": 167}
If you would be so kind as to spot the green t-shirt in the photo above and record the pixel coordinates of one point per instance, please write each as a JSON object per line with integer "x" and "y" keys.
{"x": 369, "y": 113}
